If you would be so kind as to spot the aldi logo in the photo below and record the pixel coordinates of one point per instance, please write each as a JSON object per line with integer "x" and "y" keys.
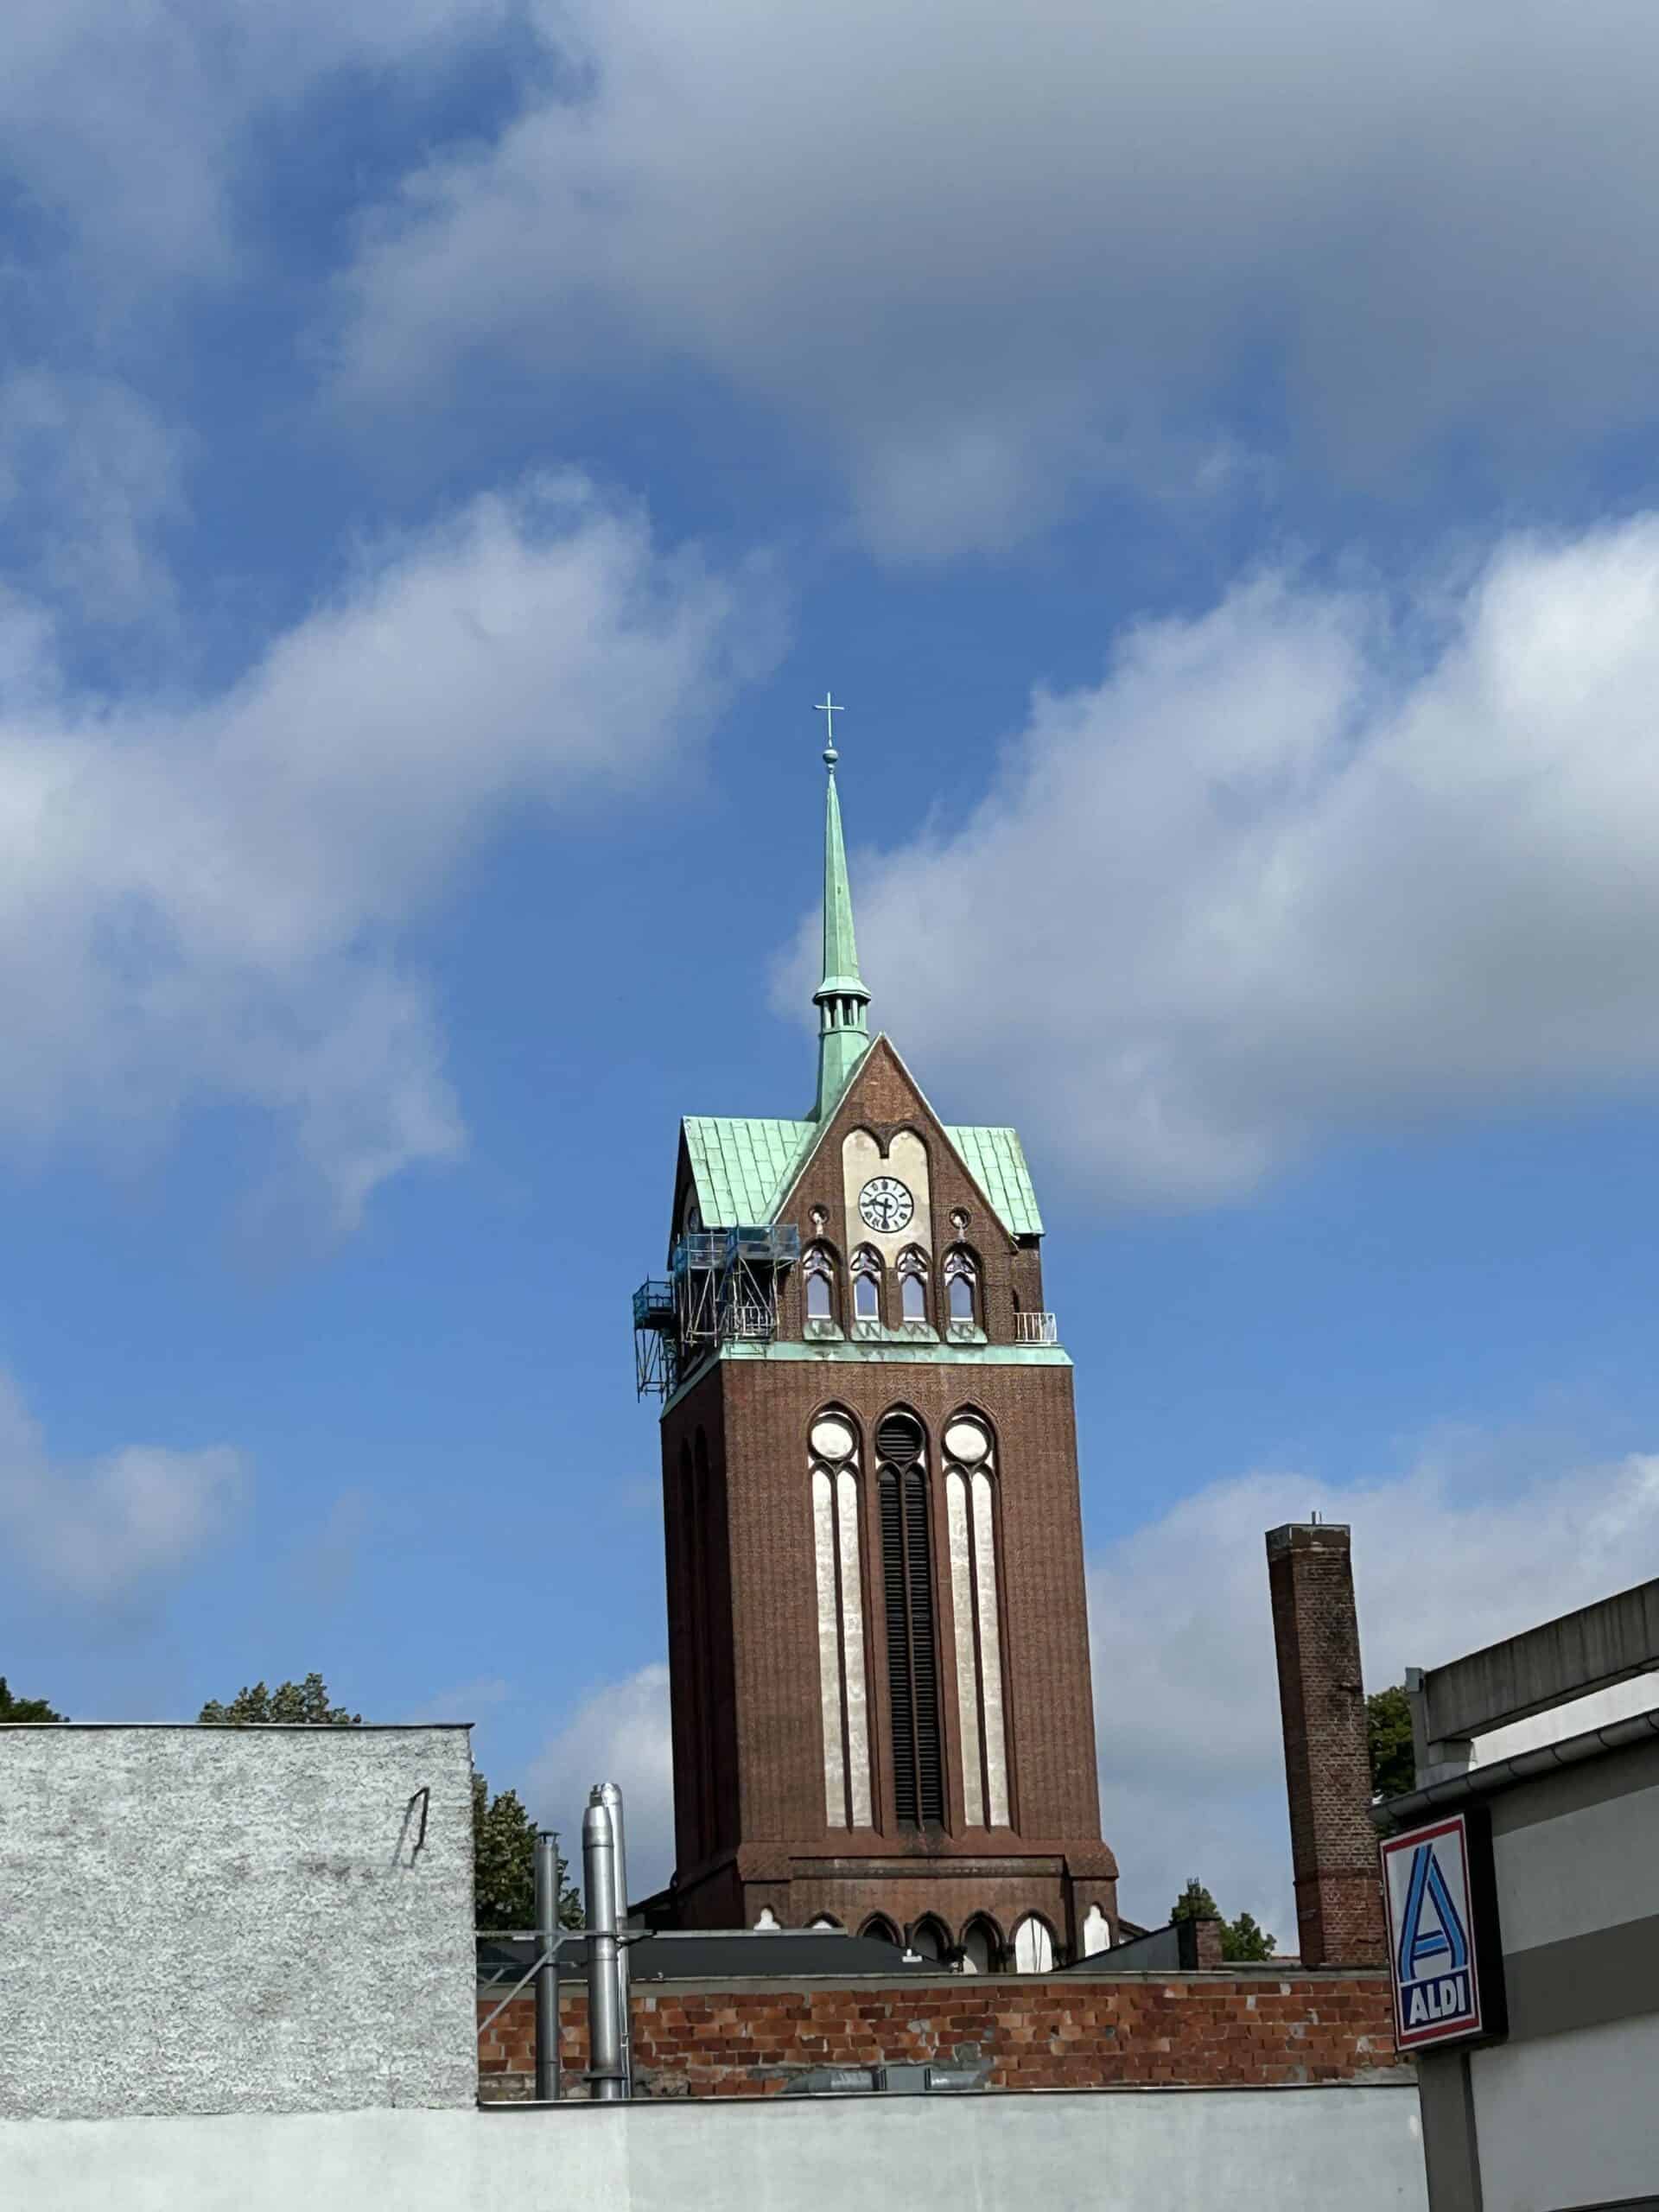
{"x": 1437, "y": 1887}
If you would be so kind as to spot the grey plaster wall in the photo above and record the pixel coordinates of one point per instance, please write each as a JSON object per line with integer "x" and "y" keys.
{"x": 218, "y": 1919}
{"x": 1341, "y": 2149}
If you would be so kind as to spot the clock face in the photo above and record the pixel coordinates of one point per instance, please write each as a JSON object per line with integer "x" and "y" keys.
{"x": 886, "y": 1205}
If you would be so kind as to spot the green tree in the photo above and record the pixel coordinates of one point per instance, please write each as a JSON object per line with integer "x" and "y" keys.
{"x": 1387, "y": 1731}
{"x": 303, "y": 1704}
{"x": 1241, "y": 1940}
{"x": 25, "y": 1708}
{"x": 1195, "y": 1903}
{"x": 504, "y": 1864}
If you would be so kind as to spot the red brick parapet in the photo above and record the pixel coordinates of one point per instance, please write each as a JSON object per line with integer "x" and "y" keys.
{"x": 1242, "y": 2027}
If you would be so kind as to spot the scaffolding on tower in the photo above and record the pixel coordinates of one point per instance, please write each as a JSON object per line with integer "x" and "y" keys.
{"x": 722, "y": 1287}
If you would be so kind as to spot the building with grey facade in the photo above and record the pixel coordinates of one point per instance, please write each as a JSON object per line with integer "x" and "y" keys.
{"x": 1522, "y": 1885}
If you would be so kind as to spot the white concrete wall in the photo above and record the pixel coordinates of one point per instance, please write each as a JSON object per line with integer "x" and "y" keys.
{"x": 214, "y": 1920}
{"x": 1569, "y": 2120}
{"x": 1338, "y": 2149}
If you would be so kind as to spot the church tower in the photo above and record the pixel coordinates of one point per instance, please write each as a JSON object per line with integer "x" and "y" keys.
{"x": 878, "y": 1640}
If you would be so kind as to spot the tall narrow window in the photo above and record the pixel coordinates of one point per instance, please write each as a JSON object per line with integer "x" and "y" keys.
{"x": 912, "y": 1285}
{"x": 819, "y": 1269}
{"x": 912, "y": 1648}
{"x": 866, "y": 1285}
{"x": 1033, "y": 1946}
{"x": 970, "y": 1522}
{"x": 961, "y": 1287}
{"x": 843, "y": 1696}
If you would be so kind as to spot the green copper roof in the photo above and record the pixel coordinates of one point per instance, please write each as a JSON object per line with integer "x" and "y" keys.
{"x": 742, "y": 1169}
{"x": 996, "y": 1160}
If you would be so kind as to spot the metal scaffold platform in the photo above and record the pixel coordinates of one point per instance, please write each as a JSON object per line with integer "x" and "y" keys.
{"x": 722, "y": 1289}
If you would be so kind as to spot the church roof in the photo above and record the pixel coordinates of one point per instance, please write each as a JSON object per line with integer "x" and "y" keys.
{"x": 741, "y": 1168}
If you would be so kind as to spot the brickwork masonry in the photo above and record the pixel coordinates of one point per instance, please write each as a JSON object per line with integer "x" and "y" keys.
{"x": 1238, "y": 2028}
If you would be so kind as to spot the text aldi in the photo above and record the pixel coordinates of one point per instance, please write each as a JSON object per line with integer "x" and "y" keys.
{"x": 1434, "y": 1895}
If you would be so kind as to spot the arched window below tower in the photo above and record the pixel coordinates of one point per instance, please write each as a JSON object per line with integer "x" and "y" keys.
{"x": 982, "y": 1947}
{"x": 970, "y": 1527}
{"x": 930, "y": 1937}
{"x": 824, "y": 1919}
{"x": 819, "y": 1269}
{"x": 912, "y": 1286}
{"x": 866, "y": 1285}
{"x": 961, "y": 1288}
{"x": 1033, "y": 1946}
{"x": 881, "y": 1929}
{"x": 918, "y": 1743}
{"x": 832, "y": 1460}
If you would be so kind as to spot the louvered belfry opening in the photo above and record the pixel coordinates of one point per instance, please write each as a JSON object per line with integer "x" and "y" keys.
{"x": 912, "y": 1642}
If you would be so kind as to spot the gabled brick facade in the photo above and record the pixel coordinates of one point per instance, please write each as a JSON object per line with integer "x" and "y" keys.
{"x": 746, "y": 1602}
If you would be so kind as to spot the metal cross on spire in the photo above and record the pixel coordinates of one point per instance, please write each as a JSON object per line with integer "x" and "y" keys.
{"x": 829, "y": 710}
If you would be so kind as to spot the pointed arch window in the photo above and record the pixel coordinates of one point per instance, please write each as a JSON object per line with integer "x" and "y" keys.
{"x": 961, "y": 1288}
{"x": 1033, "y": 1946}
{"x": 818, "y": 1269}
{"x": 866, "y": 1285}
{"x": 842, "y": 1690}
{"x": 912, "y": 1285}
{"x": 930, "y": 1938}
{"x": 971, "y": 1525}
{"x": 912, "y": 1639}
{"x": 982, "y": 1947}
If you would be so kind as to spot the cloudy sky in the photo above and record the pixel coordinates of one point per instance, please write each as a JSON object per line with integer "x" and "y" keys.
{"x": 445, "y": 450}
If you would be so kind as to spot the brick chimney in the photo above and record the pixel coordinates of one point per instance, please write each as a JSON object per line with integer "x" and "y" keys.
{"x": 1327, "y": 1768}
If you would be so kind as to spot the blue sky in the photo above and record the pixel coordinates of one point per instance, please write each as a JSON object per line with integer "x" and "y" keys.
{"x": 444, "y": 452}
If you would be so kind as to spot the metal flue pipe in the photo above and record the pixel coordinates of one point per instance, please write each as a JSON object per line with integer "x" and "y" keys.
{"x": 605, "y": 2074}
{"x": 547, "y": 1975}
{"x": 609, "y": 1795}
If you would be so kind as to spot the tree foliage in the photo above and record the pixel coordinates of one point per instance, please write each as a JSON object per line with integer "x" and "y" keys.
{"x": 1241, "y": 1940}
{"x": 1387, "y": 1730}
{"x": 297, "y": 1704}
{"x": 1195, "y": 1903}
{"x": 25, "y": 1708}
{"x": 504, "y": 1864}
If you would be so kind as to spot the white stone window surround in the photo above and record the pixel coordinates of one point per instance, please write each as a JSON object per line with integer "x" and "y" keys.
{"x": 842, "y": 1686}
{"x": 818, "y": 1278}
{"x": 971, "y": 1528}
{"x": 1033, "y": 1946}
{"x": 866, "y": 1287}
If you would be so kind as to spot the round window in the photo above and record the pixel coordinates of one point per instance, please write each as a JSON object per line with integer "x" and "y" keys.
{"x": 832, "y": 1438}
{"x": 967, "y": 1441}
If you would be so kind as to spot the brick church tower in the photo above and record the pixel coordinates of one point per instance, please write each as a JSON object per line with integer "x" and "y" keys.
{"x": 878, "y": 1641}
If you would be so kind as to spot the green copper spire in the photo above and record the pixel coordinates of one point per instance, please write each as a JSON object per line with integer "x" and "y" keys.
{"x": 840, "y": 998}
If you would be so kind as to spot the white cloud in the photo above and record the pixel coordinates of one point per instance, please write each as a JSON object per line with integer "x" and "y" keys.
{"x": 1299, "y": 866}
{"x": 1445, "y": 1560}
{"x": 618, "y": 1732}
{"x": 204, "y": 900}
{"x": 125, "y": 122}
{"x": 106, "y": 1531}
{"x": 978, "y": 253}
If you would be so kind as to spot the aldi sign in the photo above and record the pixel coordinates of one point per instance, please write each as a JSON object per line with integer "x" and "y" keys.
{"x": 1443, "y": 1954}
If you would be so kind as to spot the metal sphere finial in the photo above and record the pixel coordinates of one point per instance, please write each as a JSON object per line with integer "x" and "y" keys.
{"x": 829, "y": 710}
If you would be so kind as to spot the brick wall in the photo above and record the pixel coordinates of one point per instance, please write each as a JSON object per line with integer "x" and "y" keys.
{"x": 1327, "y": 1766}
{"x": 1255, "y": 2027}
